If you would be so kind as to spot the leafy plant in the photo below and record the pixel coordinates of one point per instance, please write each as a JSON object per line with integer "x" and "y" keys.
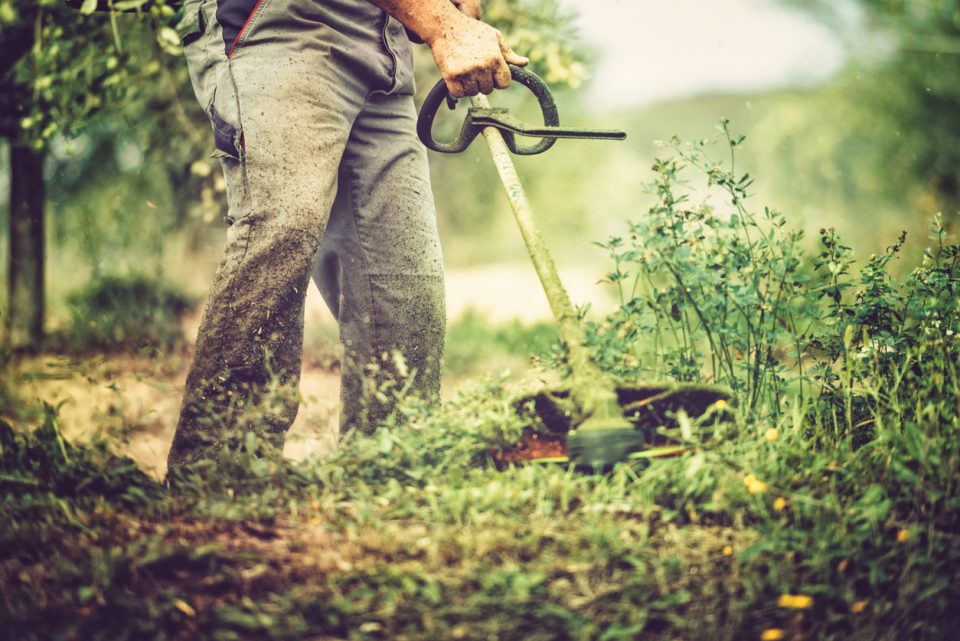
{"x": 722, "y": 286}
{"x": 783, "y": 525}
{"x": 731, "y": 296}
{"x": 115, "y": 313}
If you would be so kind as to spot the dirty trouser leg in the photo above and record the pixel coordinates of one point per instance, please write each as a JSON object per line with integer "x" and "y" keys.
{"x": 380, "y": 268}
{"x": 283, "y": 84}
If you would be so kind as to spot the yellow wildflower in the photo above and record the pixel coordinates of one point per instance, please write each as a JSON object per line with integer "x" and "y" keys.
{"x": 771, "y": 634}
{"x": 903, "y": 536}
{"x": 184, "y": 607}
{"x": 795, "y": 601}
{"x": 754, "y": 485}
{"x": 779, "y": 504}
{"x": 727, "y": 550}
{"x": 858, "y": 606}
{"x": 771, "y": 434}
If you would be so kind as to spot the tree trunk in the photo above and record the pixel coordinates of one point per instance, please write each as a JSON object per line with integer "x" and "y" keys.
{"x": 26, "y": 269}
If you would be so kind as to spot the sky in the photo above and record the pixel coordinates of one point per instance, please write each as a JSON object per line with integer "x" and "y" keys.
{"x": 654, "y": 50}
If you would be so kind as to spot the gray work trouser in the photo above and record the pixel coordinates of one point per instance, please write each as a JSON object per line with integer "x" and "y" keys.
{"x": 313, "y": 118}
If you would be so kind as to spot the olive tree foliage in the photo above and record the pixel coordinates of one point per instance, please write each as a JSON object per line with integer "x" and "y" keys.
{"x": 891, "y": 129}
{"x": 61, "y": 67}
{"x": 545, "y": 32}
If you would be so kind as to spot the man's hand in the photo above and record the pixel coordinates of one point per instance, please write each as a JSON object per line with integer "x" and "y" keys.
{"x": 471, "y": 55}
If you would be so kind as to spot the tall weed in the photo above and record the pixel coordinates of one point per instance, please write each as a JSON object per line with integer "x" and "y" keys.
{"x": 722, "y": 293}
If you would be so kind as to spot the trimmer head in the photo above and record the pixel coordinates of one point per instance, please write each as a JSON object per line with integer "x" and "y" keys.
{"x": 557, "y": 434}
{"x": 601, "y": 449}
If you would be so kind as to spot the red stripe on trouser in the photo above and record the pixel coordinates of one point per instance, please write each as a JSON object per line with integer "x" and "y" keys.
{"x": 243, "y": 28}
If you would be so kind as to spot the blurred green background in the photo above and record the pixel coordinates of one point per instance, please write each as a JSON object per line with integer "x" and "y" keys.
{"x": 851, "y": 110}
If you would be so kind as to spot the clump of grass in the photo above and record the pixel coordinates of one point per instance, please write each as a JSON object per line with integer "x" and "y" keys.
{"x": 412, "y": 533}
{"x": 118, "y": 313}
{"x": 44, "y": 463}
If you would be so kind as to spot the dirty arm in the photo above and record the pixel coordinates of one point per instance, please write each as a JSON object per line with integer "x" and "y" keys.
{"x": 472, "y": 56}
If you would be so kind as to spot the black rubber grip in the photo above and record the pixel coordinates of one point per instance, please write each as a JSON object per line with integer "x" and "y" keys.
{"x": 439, "y": 94}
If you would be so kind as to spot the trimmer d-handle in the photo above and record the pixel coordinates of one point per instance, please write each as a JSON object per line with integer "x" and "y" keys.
{"x": 501, "y": 119}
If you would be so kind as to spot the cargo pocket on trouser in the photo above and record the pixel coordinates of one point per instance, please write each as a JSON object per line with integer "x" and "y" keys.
{"x": 229, "y": 149}
{"x": 227, "y": 138}
{"x": 196, "y": 39}
{"x": 191, "y": 23}
{"x": 212, "y": 77}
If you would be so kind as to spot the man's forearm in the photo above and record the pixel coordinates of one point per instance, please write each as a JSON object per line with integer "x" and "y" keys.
{"x": 472, "y": 56}
{"x": 429, "y": 19}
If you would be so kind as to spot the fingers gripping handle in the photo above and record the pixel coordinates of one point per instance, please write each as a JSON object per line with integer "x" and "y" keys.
{"x": 439, "y": 94}
{"x": 428, "y": 113}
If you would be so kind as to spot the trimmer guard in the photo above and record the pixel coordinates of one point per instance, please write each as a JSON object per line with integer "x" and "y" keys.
{"x": 652, "y": 410}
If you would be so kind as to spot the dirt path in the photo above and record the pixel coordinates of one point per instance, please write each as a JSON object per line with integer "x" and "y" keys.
{"x": 502, "y": 292}
{"x": 136, "y": 400}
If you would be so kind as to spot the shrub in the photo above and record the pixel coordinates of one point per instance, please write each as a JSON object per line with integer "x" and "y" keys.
{"x": 116, "y": 313}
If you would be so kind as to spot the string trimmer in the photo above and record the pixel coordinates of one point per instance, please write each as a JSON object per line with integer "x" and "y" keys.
{"x": 604, "y": 422}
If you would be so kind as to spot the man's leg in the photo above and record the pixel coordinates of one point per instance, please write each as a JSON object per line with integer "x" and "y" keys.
{"x": 283, "y": 94}
{"x": 380, "y": 268}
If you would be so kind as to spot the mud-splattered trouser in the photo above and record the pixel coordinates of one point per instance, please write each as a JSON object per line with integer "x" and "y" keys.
{"x": 313, "y": 119}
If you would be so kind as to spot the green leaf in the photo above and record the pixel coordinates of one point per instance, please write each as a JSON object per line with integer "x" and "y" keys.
{"x": 128, "y": 5}
{"x": 696, "y": 462}
{"x": 386, "y": 442}
{"x": 168, "y": 39}
{"x": 88, "y": 7}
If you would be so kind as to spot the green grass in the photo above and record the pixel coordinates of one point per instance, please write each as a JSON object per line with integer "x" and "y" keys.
{"x": 827, "y": 509}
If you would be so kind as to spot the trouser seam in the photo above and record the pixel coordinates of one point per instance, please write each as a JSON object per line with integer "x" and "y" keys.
{"x": 354, "y": 214}
{"x": 241, "y": 143}
{"x": 432, "y": 276}
{"x": 394, "y": 71}
{"x": 247, "y": 194}
{"x": 248, "y": 27}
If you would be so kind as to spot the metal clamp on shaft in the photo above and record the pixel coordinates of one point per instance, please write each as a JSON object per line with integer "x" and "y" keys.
{"x": 509, "y": 126}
